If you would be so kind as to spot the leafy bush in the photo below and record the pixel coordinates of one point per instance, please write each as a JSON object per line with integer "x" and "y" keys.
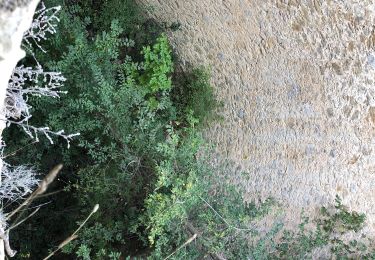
{"x": 226, "y": 228}
{"x": 119, "y": 99}
{"x": 194, "y": 95}
{"x": 141, "y": 155}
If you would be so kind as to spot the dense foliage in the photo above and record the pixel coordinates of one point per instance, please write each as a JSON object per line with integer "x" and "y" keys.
{"x": 141, "y": 156}
{"x": 138, "y": 144}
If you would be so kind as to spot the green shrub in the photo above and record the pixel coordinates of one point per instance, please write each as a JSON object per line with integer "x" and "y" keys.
{"x": 225, "y": 228}
{"x": 141, "y": 156}
{"x": 194, "y": 95}
{"x": 119, "y": 84}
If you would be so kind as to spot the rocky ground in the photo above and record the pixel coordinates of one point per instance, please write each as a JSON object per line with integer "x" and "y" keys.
{"x": 297, "y": 78}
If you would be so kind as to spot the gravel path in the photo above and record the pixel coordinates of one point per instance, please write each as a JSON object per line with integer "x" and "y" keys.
{"x": 297, "y": 78}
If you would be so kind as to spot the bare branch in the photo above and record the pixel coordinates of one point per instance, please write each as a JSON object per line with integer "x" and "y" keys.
{"x": 43, "y": 24}
{"x": 18, "y": 150}
{"x": 40, "y": 190}
{"x": 74, "y": 235}
{"x": 17, "y": 181}
{"x": 5, "y": 238}
{"x": 20, "y": 222}
{"x": 27, "y": 81}
{"x": 223, "y": 219}
{"x": 191, "y": 239}
{"x": 33, "y": 131}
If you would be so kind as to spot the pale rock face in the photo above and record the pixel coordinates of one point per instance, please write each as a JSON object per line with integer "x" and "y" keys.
{"x": 297, "y": 78}
{"x": 11, "y": 5}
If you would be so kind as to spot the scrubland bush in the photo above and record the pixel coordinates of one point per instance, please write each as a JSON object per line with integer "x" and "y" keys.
{"x": 140, "y": 154}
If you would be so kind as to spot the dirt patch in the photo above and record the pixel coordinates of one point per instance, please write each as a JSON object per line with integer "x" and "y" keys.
{"x": 297, "y": 79}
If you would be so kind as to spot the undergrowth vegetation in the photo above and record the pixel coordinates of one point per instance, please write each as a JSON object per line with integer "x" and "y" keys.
{"x": 141, "y": 155}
